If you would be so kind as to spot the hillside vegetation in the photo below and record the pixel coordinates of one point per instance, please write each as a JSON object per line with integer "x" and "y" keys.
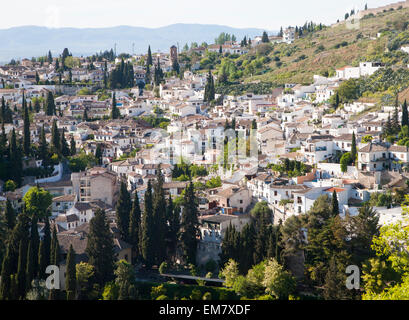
{"x": 378, "y": 38}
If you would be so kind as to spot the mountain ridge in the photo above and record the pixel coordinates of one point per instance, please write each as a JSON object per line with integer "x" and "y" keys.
{"x": 28, "y": 41}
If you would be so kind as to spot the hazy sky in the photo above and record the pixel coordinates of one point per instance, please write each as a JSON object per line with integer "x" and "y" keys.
{"x": 265, "y": 14}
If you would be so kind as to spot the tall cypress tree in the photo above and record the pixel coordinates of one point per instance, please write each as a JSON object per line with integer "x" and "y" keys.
{"x": 21, "y": 270}
{"x": 189, "y": 225}
{"x": 334, "y": 204}
{"x": 16, "y": 165}
{"x": 50, "y": 104}
{"x": 30, "y": 265}
{"x": 43, "y": 149}
{"x": 173, "y": 218}
{"x": 135, "y": 224}
{"x": 146, "y": 241}
{"x": 395, "y": 118}
{"x": 353, "y": 148}
{"x": 123, "y": 209}
{"x": 55, "y": 138}
{"x": 115, "y": 114}
{"x": 149, "y": 59}
{"x": 26, "y": 136}
{"x": 100, "y": 248}
{"x": 42, "y": 263}
{"x": 10, "y": 215}
{"x": 405, "y": 116}
{"x": 71, "y": 275}
{"x": 73, "y": 149}
{"x": 35, "y": 244}
{"x": 6, "y": 271}
{"x": 159, "y": 217}
{"x": 65, "y": 150}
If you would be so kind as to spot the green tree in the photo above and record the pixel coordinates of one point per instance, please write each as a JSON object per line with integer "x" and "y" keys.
{"x": 71, "y": 275}
{"x": 37, "y": 201}
{"x": 147, "y": 232}
{"x": 278, "y": 282}
{"x": 50, "y": 104}
{"x": 265, "y": 38}
{"x": 10, "y": 215}
{"x": 189, "y": 225}
{"x": 73, "y": 149}
{"x": 26, "y": 133}
{"x": 123, "y": 209}
{"x": 135, "y": 224}
{"x": 354, "y": 153}
{"x": 405, "y": 116}
{"x": 100, "y": 248}
{"x": 115, "y": 114}
{"x": 85, "y": 273}
{"x": 21, "y": 270}
{"x": 334, "y": 204}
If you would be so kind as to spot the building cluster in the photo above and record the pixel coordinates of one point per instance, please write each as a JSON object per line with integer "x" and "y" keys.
{"x": 295, "y": 123}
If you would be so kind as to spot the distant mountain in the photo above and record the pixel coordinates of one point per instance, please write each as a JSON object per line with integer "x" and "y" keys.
{"x": 29, "y": 41}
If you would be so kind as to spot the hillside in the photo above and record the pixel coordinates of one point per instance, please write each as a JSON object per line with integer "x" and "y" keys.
{"x": 29, "y": 41}
{"x": 323, "y": 51}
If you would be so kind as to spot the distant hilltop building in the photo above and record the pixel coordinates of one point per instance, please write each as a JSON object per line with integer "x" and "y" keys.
{"x": 289, "y": 35}
{"x": 364, "y": 69}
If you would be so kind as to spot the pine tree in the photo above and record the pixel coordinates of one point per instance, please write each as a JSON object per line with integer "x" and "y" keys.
{"x": 123, "y": 209}
{"x": 21, "y": 270}
{"x": 10, "y": 215}
{"x": 405, "y": 116}
{"x": 26, "y": 136}
{"x": 50, "y": 105}
{"x": 100, "y": 248}
{"x": 189, "y": 225}
{"x": 71, "y": 275}
{"x": 147, "y": 234}
{"x": 55, "y": 138}
{"x": 353, "y": 148}
{"x": 135, "y": 224}
{"x": 73, "y": 149}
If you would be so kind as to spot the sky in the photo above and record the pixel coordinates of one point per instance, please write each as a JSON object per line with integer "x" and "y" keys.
{"x": 263, "y": 14}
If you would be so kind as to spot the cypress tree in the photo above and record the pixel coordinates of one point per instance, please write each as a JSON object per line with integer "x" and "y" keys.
{"x": 26, "y": 136}
{"x": 65, "y": 150}
{"x": 395, "y": 118}
{"x": 71, "y": 275}
{"x": 5, "y": 283}
{"x": 189, "y": 225}
{"x": 115, "y": 114}
{"x": 265, "y": 38}
{"x": 37, "y": 106}
{"x": 353, "y": 148}
{"x": 123, "y": 209}
{"x": 173, "y": 218}
{"x": 30, "y": 265}
{"x": 42, "y": 263}
{"x": 335, "y": 205}
{"x": 73, "y": 149}
{"x": 405, "y": 116}
{"x": 85, "y": 115}
{"x": 35, "y": 244}
{"x": 21, "y": 270}
{"x": 135, "y": 223}
{"x": 100, "y": 248}
{"x": 146, "y": 241}
{"x": 43, "y": 149}
{"x": 47, "y": 241}
{"x": 16, "y": 167}
{"x": 149, "y": 59}
{"x": 50, "y": 104}
{"x": 159, "y": 217}
{"x": 10, "y": 215}
{"x": 55, "y": 138}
